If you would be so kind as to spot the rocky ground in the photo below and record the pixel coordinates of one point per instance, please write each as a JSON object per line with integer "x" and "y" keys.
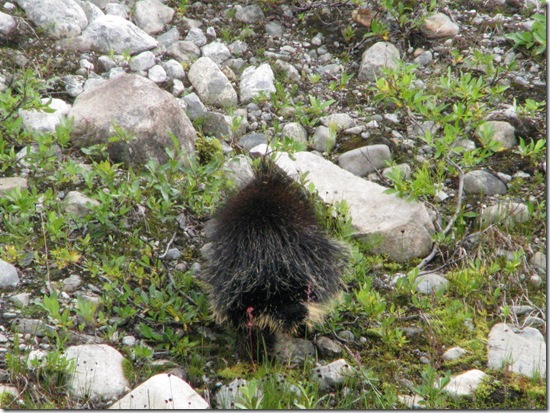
{"x": 426, "y": 119}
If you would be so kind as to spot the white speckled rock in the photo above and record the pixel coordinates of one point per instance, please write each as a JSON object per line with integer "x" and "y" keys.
{"x": 255, "y": 81}
{"x": 161, "y": 392}
{"x": 429, "y": 283}
{"x": 332, "y": 374}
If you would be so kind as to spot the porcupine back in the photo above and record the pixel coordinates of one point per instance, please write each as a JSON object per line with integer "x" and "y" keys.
{"x": 271, "y": 266}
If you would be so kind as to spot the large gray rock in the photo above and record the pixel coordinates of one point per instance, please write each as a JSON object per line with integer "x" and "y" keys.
{"x": 255, "y": 81}
{"x": 7, "y": 25}
{"x": 139, "y": 106}
{"x": 152, "y": 15}
{"x": 521, "y": 351}
{"x": 361, "y": 161}
{"x": 499, "y": 131}
{"x": 379, "y": 55}
{"x": 160, "y": 392}
{"x": 217, "y": 51}
{"x": 389, "y": 224}
{"x": 8, "y": 275}
{"x": 211, "y": 84}
{"x": 98, "y": 372}
{"x": 41, "y": 121}
{"x": 109, "y": 33}
{"x": 484, "y": 183}
{"x": 58, "y": 18}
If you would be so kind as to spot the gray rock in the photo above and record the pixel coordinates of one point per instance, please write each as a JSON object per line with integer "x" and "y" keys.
{"x": 216, "y": 124}
{"x": 143, "y": 61}
{"x": 74, "y": 84}
{"x": 152, "y": 15}
{"x": 366, "y": 159}
{"x": 21, "y": 300}
{"x": 31, "y": 326}
{"x": 538, "y": 260}
{"x": 7, "y": 184}
{"x": 389, "y": 224}
{"x": 196, "y": 36}
{"x": 403, "y": 169}
{"x": 160, "y": 392}
{"x": 5, "y": 389}
{"x": 424, "y": 59}
{"x": 116, "y": 9}
{"x": 78, "y": 204}
{"x": 8, "y": 275}
{"x": 184, "y": 51}
{"x": 291, "y": 73}
{"x": 430, "y": 283}
{"x": 58, "y": 18}
{"x": 169, "y": 37}
{"x": 439, "y": 25}
{"x": 255, "y": 81}
{"x": 378, "y": 56}
{"x": 217, "y": 51}
{"x": 139, "y": 106}
{"x": 483, "y": 182}
{"x": 251, "y": 140}
{"x": 292, "y": 350}
{"x": 274, "y": 29}
{"x": 327, "y": 347}
{"x": 505, "y": 213}
{"x": 195, "y": 108}
{"x": 295, "y": 131}
{"x": 249, "y": 14}
{"x": 113, "y": 33}
{"x": 98, "y": 373}
{"x": 502, "y": 132}
{"x": 71, "y": 283}
{"x": 519, "y": 310}
{"x": 454, "y": 353}
{"x": 332, "y": 374}
{"x": 39, "y": 121}
{"x": 340, "y": 121}
{"x": 91, "y": 11}
{"x": 535, "y": 322}
{"x": 157, "y": 74}
{"x": 465, "y": 384}
{"x": 211, "y": 84}
{"x": 323, "y": 139}
{"x": 521, "y": 351}
{"x": 173, "y": 69}
{"x": 7, "y": 25}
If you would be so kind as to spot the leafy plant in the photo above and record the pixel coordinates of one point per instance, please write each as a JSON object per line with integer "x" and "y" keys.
{"x": 534, "y": 40}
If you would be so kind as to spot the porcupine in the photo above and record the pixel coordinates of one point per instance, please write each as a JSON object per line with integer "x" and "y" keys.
{"x": 270, "y": 267}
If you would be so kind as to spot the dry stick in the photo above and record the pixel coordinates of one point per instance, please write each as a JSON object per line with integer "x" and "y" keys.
{"x": 164, "y": 255}
{"x": 48, "y": 280}
{"x": 449, "y": 226}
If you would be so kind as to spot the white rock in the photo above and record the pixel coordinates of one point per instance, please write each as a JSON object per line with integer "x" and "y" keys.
{"x": 378, "y": 56}
{"x": 195, "y": 108}
{"x": 39, "y": 121}
{"x": 217, "y": 51}
{"x": 9, "y": 390}
{"x": 499, "y": 131}
{"x": 152, "y": 15}
{"x": 539, "y": 261}
{"x": 174, "y": 70}
{"x": 323, "y": 139}
{"x": 332, "y": 374}
{"x": 196, "y": 36}
{"x": 143, "y": 61}
{"x": 465, "y": 384}
{"x": 439, "y": 25}
{"x": 523, "y": 351}
{"x": 91, "y": 11}
{"x": 295, "y": 131}
{"x": 255, "y": 81}
{"x": 98, "y": 372}
{"x": 21, "y": 299}
{"x": 454, "y": 353}
{"x": 211, "y": 85}
{"x": 116, "y": 9}
{"x": 290, "y": 71}
{"x": 8, "y": 275}
{"x": 58, "y": 18}
{"x": 78, "y": 204}
{"x": 228, "y": 395}
{"x": 340, "y": 121}
{"x": 160, "y": 392}
{"x": 361, "y": 161}
{"x": 389, "y": 224}
{"x": 249, "y": 14}
{"x": 157, "y": 74}
{"x": 7, "y": 24}
{"x": 113, "y": 33}
{"x": 7, "y": 184}
{"x": 430, "y": 283}
{"x": 506, "y": 213}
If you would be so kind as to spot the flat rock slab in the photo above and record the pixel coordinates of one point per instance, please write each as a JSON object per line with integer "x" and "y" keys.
{"x": 389, "y": 224}
{"x": 522, "y": 351}
{"x": 98, "y": 372}
{"x": 136, "y": 105}
{"x": 465, "y": 384}
{"x": 160, "y": 392}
